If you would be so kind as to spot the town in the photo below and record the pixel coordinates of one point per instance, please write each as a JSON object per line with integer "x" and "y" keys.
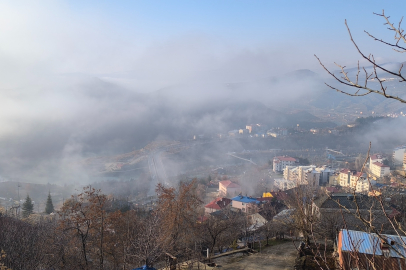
{"x": 191, "y": 135}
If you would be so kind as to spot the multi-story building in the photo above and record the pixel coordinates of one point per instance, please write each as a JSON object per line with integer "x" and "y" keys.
{"x": 379, "y": 170}
{"x": 374, "y": 158}
{"x": 325, "y": 173}
{"x": 398, "y": 154}
{"x": 344, "y": 177}
{"x": 284, "y": 184}
{"x": 280, "y": 163}
{"x": 361, "y": 183}
{"x": 302, "y": 175}
{"x": 227, "y": 187}
{"x": 216, "y": 205}
{"x": 312, "y": 178}
{"x": 355, "y": 180}
{"x": 246, "y": 204}
{"x": 291, "y": 173}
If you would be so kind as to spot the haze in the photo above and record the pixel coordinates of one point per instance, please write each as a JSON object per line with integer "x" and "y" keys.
{"x": 81, "y": 79}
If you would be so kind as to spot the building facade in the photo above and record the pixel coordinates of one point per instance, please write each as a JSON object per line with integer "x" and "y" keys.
{"x": 227, "y": 187}
{"x": 379, "y": 170}
{"x": 280, "y": 163}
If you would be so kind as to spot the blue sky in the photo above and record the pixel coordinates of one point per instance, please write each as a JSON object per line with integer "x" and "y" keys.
{"x": 239, "y": 20}
{"x": 172, "y": 41}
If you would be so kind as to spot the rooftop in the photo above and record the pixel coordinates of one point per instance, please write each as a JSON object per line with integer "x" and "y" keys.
{"x": 340, "y": 200}
{"x": 229, "y": 184}
{"x": 375, "y": 157}
{"x": 245, "y": 199}
{"x": 380, "y": 164}
{"x": 369, "y": 243}
{"x": 285, "y": 158}
{"x": 371, "y": 247}
{"x": 218, "y": 203}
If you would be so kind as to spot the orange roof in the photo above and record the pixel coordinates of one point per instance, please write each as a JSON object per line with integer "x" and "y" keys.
{"x": 218, "y": 203}
{"x": 380, "y": 164}
{"x": 282, "y": 158}
{"x": 229, "y": 184}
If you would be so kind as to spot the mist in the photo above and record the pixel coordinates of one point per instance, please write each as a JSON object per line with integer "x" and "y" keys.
{"x": 77, "y": 85}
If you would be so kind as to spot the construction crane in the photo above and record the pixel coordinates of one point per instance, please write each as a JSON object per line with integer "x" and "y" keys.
{"x": 332, "y": 157}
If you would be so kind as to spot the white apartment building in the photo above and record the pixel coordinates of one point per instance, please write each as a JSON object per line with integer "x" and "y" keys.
{"x": 344, "y": 178}
{"x": 291, "y": 173}
{"x": 355, "y": 180}
{"x": 363, "y": 184}
{"x": 378, "y": 169}
{"x": 398, "y": 154}
{"x": 284, "y": 184}
{"x": 303, "y": 175}
{"x": 280, "y": 163}
{"x": 374, "y": 158}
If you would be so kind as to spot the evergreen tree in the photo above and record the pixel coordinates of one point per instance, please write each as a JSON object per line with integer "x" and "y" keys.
{"x": 49, "y": 207}
{"x": 28, "y": 207}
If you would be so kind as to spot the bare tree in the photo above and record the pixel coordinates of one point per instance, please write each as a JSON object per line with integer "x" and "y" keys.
{"x": 364, "y": 79}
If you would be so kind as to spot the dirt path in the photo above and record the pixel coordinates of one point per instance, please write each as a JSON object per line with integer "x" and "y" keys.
{"x": 279, "y": 257}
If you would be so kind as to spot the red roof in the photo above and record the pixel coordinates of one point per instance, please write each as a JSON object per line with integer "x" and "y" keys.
{"x": 376, "y": 156}
{"x": 380, "y": 164}
{"x": 218, "y": 203}
{"x": 229, "y": 184}
{"x": 282, "y": 158}
{"x": 345, "y": 171}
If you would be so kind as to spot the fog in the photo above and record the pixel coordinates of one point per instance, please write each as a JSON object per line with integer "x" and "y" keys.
{"x": 77, "y": 85}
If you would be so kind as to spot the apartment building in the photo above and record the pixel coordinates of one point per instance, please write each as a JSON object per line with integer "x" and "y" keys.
{"x": 280, "y": 163}
{"x": 378, "y": 169}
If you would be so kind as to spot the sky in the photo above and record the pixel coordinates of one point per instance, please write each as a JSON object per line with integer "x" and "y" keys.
{"x": 74, "y": 74}
{"x": 173, "y": 40}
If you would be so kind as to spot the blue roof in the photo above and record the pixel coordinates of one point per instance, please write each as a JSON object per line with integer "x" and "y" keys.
{"x": 369, "y": 243}
{"x": 245, "y": 199}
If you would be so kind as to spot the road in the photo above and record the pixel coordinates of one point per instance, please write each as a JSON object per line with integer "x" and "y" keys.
{"x": 278, "y": 257}
{"x": 241, "y": 158}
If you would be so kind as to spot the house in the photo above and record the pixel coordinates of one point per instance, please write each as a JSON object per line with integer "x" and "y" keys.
{"x": 257, "y": 221}
{"x": 216, "y": 205}
{"x": 285, "y": 217}
{"x": 280, "y": 162}
{"x": 245, "y": 204}
{"x": 362, "y": 250}
{"x": 227, "y": 187}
